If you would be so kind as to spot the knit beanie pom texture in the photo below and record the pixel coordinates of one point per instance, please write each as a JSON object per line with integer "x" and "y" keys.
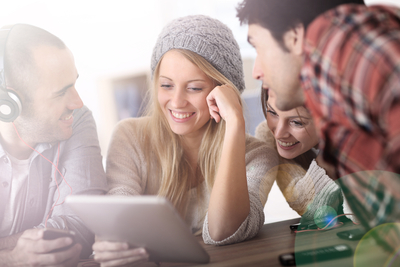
{"x": 208, "y": 38}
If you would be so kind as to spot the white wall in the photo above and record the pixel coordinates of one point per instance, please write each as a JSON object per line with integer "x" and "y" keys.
{"x": 113, "y": 37}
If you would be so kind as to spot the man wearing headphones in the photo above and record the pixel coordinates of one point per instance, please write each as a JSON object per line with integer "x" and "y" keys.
{"x": 49, "y": 149}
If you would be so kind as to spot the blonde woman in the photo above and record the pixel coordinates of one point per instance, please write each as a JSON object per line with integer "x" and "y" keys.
{"x": 192, "y": 147}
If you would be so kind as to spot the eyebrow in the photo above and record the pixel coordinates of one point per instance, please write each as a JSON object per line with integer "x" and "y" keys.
{"x": 291, "y": 117}
{"x": 194, "y": 80}
{"x": 65, "y": 88}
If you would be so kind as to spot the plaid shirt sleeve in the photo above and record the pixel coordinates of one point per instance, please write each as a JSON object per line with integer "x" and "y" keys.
{"x": 351, "y": 78}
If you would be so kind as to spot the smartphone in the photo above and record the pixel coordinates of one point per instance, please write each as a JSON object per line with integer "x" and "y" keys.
{"x": 355, "y": 234}
{"x": 294, "y": 227}
{"x": 301, "y": 227}
{"x": 287, "y": 259}
{"x": 51, "y": 234}
{"x": 315, "y": 255}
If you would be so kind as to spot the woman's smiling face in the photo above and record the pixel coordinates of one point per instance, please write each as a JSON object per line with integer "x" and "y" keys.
{"x": 182, "y": 92}
{"x": 294, "y": 130}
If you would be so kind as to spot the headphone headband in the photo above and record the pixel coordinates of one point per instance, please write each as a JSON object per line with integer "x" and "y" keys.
{"x": 4, "y": 32}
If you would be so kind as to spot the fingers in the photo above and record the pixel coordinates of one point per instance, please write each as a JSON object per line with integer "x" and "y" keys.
{"x": 46, "y": 246}
{"x": 67, "y": 257}
{"x": 223, "y": 102}
{"x": 133, "y": 261}
{"x": 121, "y": 257}
{"x": 31, "y": 242}
{"x": 25, "y": 256}
{"x": 32, "y": 234}
{"x": 101, "y": 246}
{"x": 214, "y": 113}
{"x": 213, "y": 107}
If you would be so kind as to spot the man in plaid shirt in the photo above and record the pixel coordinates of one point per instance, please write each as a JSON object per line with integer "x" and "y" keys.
{"x": 342, "y": 60}
{"x": 351, "y": 78}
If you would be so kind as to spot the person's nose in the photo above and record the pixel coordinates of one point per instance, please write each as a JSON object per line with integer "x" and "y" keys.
{"x": 178, "y": 99}
{"x": 74, "y": 100}
{"x": 281, "y": 130}
{"x": 257, "y": 71}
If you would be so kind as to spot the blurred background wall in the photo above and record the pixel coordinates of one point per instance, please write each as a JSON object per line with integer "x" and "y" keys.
{"x": 112, "y": 43}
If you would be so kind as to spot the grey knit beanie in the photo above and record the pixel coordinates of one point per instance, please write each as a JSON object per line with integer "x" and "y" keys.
{"x": 208, "y": 38}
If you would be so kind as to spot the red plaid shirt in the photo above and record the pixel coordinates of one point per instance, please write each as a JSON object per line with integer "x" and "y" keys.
{"x": 351, "y": 77}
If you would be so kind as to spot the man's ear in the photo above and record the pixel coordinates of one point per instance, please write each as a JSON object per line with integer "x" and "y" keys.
{"x": 294, "y": 38}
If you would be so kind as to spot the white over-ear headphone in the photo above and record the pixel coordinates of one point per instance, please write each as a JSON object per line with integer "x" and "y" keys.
{"x": 10, "y": 103}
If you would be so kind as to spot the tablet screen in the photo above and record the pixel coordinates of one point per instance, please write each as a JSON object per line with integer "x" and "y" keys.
{"x": 143, "y": 221}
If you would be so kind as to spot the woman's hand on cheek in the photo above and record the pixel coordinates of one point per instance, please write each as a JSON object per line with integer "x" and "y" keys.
{"x": 118, "y": 254}
{"x": 223, "y": 102}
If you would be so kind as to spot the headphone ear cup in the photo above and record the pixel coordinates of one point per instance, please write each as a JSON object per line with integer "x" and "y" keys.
{"x": 10, "y": 105}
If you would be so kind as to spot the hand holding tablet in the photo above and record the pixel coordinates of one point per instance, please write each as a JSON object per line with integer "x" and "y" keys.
{"x": 148, "y": 222}
{"x": 118, "y": 254}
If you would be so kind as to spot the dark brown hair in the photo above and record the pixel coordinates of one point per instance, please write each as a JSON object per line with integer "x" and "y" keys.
{"x": 19, "y": 64}
{"x": 279, "y": 16}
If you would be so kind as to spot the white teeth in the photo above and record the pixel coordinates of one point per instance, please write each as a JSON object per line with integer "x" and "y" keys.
{"x": 181, "y": 115}
{"x": 287, "y": 144}
{"x": 67, "y": 118}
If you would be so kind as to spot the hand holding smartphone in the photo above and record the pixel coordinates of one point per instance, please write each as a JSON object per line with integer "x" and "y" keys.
{"x": 51, "y": 234}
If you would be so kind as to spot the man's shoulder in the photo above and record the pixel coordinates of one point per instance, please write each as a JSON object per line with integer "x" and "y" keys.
{"x": 84, "y": 126}
{"x": 352, "y": 18}
{"x": 81, "y": 113}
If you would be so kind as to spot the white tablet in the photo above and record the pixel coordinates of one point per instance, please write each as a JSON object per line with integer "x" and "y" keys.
{"x": 144, "y": 221}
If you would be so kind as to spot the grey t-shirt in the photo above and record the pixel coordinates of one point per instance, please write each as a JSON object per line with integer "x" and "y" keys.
{"x": 14, "y": 211}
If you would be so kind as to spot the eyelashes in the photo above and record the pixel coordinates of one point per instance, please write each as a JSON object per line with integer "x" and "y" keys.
{"x": 168, "y": 86}
{"x": 295, "y": 123}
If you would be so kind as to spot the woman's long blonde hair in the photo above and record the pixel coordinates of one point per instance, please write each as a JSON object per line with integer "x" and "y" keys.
{"x": 176, "y": 174}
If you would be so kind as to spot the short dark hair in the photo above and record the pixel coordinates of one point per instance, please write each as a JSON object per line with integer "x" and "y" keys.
{"x": 19, "y": 64}
{"x": 279, "y": 16}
